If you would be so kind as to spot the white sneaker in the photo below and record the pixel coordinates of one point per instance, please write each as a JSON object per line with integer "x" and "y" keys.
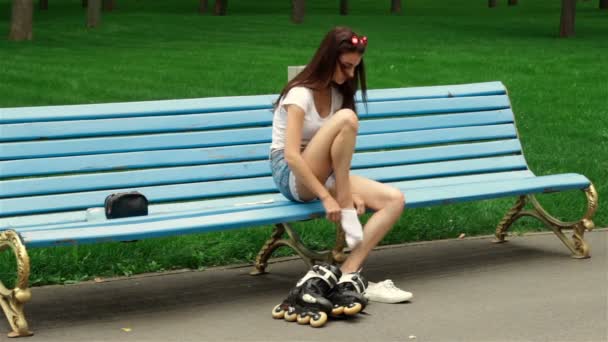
{"x": 386, "y": 292}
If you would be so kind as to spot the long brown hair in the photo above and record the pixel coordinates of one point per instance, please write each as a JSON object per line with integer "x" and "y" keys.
{"x": 319, "y": 72}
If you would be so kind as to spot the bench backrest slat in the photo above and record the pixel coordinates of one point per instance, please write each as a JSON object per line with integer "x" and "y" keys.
{"x": 89, "y": 146}
{"x": 252, "y": 169}
{"x": 259, "y": 168}
{"x": 64, "y": 158}
{"x": 225, "y": 120}
{"x": 221, "y": 104}
{"x": 39, "y": 166}
{"x": 128, "y": 127}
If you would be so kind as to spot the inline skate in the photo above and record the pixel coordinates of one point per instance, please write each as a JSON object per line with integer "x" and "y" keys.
{"x": 307, "y": 302}
{"x": 347, "y": 296}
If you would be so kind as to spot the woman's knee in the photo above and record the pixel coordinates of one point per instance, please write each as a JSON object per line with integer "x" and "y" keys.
{"x": 396, "y": 199}
{"x": 348, "y": 119}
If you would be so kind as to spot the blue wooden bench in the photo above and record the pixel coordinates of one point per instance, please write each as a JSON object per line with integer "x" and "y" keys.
{"x": 203, "y": 165}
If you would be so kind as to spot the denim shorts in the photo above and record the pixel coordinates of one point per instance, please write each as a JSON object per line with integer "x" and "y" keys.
{"x": 281, "y": 174}
{"x": 285, "y": 180}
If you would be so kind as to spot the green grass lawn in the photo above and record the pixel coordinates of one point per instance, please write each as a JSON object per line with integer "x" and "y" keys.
{"x": 166, "y": 50}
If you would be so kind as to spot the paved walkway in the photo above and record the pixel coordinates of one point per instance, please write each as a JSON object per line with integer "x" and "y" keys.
{"x": 464, "y": 290}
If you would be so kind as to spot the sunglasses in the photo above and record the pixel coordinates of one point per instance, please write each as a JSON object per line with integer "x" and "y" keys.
{"x": 358, "y": 40}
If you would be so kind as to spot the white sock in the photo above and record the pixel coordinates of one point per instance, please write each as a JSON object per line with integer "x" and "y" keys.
{"x": 352, "y": 227}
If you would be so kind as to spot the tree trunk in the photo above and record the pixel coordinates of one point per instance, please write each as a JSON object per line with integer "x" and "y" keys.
{"x": 566, "y": 26}
{"x": 512, "y": 2}
{"x": 297, "y": 11}
{"x": 492, "y": 3}
{"x": 21, "y": 20}
{"x": 108, "y": 5}
{"x": 202, "y": 6}
{"x": 603, "y": 4}
{"x": 396, "y": 6}
{"x": 85, "y": 3}
{"x": 94, "y": 13}
{"x": 43, "y": 5}
{"x": 220, "y": 7}
{"x": 343, "y": 7}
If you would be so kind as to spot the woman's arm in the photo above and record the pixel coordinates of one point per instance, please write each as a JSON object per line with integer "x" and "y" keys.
{"x": 293, "y": 156}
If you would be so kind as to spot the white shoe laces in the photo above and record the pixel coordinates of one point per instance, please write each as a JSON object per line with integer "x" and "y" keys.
{"x": 388, "y": 284}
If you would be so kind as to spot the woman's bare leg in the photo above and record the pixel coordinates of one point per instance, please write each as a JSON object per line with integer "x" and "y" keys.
{"x": 331, "y": 149}
{"x": 388, "y": 204}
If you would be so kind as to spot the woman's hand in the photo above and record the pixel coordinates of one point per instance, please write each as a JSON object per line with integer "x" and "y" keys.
{"x": 332, "y": 209}
{"x": 359, "y": 204}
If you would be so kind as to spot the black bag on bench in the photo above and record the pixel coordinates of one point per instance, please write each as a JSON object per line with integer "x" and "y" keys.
{"x": 126, "y": 204}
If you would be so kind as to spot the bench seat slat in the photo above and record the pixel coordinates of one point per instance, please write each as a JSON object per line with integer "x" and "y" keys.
{"x": 59, "y": 220}
{"x": 245, "y": 136}
{"x": 64, "y": 202}
{"x": 188, "y": 174}
{"x": 205, "y": 223}
{"x": 230, "y": 103}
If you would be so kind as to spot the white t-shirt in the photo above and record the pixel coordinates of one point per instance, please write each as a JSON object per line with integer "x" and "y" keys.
{"x": 303, "y": 98}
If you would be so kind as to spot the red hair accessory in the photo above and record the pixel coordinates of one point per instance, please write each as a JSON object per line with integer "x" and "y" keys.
{"x": 358, "y": 40}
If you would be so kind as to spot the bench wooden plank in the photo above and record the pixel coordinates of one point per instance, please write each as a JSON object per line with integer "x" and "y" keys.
{"x": 60, "y": 220}
{"x": 134, "y": 109}
{"x": 137, "y": 125}
{"x": 188, "y": 174}
{"x": 435, "y": 106}
{"x": 40, "y": 166}
{"x": 132, "y": 160}
{"x": 218, "y": 104}
{"x": 425, "y": 197}
{"x": 199, "y": 122}
{"x": 151, "y": 227}
{"x": 459, "y": 90}
{"x": 58, "y": 148}
{"x": 237, "y": 187}
{"x": 172, "y": 158}
{"x": 438, "y": 121}
{"x": 45, "y": 130}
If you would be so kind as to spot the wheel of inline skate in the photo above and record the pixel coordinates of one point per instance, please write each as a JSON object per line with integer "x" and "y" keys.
{"x": 303, "y": 318}
{"x": 318, "y": 320}
{"x": 278, "y": 312}
{"x": 354, "y": 309}
{"x": 337, "y": 310}
{"x": 290, "y": 316}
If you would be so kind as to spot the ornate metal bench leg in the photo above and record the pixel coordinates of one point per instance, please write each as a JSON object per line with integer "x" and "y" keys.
{"x": 12, "y": 300}
{"x": 309, "y": 257}
{"x": 336, "y": 255}
{"x": 577, "y": 245}
{"x": 261, "y": 261}
{"x": 511, "y": 216}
